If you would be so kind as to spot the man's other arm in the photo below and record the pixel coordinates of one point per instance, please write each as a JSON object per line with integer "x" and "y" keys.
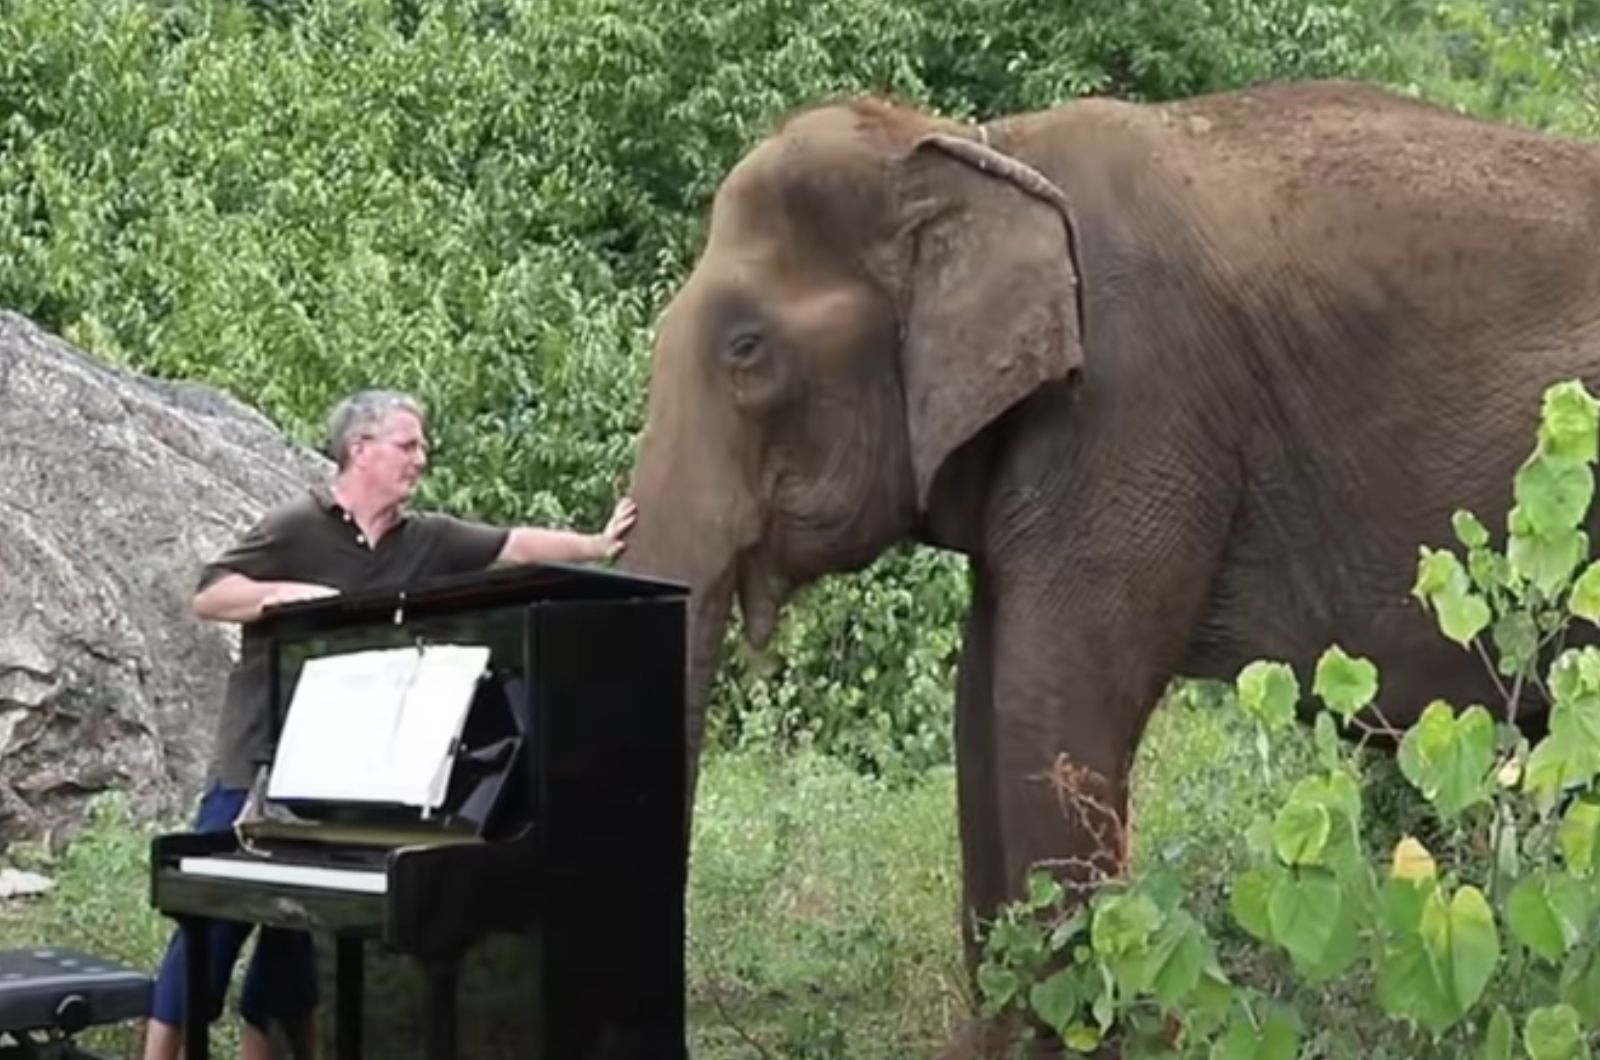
{"x": 237, "y": 598}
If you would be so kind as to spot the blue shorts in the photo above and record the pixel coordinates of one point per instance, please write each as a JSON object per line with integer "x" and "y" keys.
{"x": 281, "y": 981}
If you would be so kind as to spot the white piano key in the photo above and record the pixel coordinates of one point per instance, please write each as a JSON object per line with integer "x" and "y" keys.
{"x": 364, "y": 881}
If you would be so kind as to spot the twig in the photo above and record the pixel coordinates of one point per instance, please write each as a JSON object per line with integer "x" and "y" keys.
{"x": 1387, "y": 728}
{"x": 1071, "y": 783}
{"x": 1488, "y": 664}
{"x": 1516, "y": 695}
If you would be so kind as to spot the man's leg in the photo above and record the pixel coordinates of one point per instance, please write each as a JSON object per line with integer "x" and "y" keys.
{"x": 254, "y": 1044}
{"x": 164, "y": 1031}
{"x": 281, "y": 984}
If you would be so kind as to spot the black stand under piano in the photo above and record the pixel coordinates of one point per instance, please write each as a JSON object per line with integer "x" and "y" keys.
{"x": 561, "y": 818}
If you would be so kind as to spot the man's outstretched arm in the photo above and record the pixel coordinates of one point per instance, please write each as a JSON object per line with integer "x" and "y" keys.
{"x": 532, "y": 544}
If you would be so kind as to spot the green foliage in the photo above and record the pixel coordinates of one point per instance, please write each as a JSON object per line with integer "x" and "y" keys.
{"x": 488, "y": 202}
{"x": 1498, "y": 929}
{"x": 1534, "y": 62}
{"x": 832, "y": 680}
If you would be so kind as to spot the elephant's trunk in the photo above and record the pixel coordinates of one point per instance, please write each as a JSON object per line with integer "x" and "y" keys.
{"x": 683, "y": 534}
{"x": 710, "y": 603}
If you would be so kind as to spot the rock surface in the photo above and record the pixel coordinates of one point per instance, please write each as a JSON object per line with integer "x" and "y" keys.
{"x": 114, "y": 490}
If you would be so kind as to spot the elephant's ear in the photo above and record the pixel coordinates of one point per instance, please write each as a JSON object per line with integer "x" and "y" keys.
{"x": 991, "y": 309}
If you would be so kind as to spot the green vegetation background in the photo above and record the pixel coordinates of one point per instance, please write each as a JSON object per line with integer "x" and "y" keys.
{"x": 486, "y": 202}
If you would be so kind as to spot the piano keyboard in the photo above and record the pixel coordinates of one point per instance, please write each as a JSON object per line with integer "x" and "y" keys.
{"x": 358, "y": 880}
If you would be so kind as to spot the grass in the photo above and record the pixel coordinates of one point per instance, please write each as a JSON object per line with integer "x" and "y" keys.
{"x": 823, "y": 905}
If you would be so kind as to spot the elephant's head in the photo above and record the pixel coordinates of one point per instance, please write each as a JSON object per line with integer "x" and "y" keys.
{"x": 875, "y": 290}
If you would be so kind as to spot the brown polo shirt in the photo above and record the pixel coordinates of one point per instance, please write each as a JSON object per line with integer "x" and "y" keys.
{"x": 312, "y": 539}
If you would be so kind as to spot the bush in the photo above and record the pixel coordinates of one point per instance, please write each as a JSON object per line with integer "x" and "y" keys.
{"x": 488, "y": 201}
{"x": 1488, "y": 942}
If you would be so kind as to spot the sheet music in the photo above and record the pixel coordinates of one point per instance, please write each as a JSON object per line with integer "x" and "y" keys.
{"x": 377, "y": 725}
{"x": 434, "y": 712}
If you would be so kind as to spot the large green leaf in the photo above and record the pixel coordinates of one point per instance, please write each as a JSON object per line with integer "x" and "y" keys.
{"x": 1439, "y": 572}
{"x": 1435, "y": 973}
{"x": 1567, "y": 421}
{"x": 1345, "y": 683}
{"x": 1411, "y": 986}
{"x": 1277, "y": 1038}
{"x": 1516, "y": 641}
{"x": 1580, "y": 984}
{"x": 1577, "y": 721}
{"x": 1339, "y": 848}
{"x": 998, "y": 984}
{"x": 1300, "y": 831}
{"x": 1554, "y": 492}
{"x": 1401, "y": 902}
{"x": 1547, "y": 560}
{"x": 1579, "y": 835}
{"x": 1448, "y": 758}
{"x": 1342, "y": 949}
{"x": 1570, "y": 755}
{"x": 1303, "y": 910}
{"x": 1445, "y": 585}
{"x": 1497, "y": 1037}
{"x": 1553, "y": 1033}
{"x": 1178, "y": 956}
{"x": 1576, "y": 673}
{"x": 1123, "y": 923}
{"x": 1553, "y": 767}
{"x": 1585, "y": 599}
{"x": 1547, "y": 913}
{"x": 1473, "y": 942}
{"x": 1469, "y": 530}
{"x": 1463, "y": 617}
{"x": 1056, "y": 999}
{"x": 1268, "y": 692}
{"x": 1252, "y": 890}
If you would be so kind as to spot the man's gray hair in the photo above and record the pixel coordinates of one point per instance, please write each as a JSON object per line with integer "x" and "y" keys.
{"x": 363, "y": 413}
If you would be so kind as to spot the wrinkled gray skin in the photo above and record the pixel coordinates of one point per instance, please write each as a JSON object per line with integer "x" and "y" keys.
{"x": 1208, "y": 415}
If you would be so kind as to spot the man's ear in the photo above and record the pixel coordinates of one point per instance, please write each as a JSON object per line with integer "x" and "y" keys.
{"x": 991, "y": 309}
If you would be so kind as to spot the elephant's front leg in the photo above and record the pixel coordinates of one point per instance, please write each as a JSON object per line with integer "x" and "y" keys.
{"x": 1050, "y": 707}
{"x": 1069, "y": 698}
{"x": 982, "y": 871}
{"x": 1069, "y": 650}
{"x": 1034, "y": 788}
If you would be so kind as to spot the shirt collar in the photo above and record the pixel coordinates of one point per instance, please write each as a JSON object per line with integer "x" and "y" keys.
{"x": 322, "y": 494}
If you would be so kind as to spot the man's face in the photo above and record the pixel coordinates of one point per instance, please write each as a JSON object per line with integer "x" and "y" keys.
{"x": 391, "y": 460}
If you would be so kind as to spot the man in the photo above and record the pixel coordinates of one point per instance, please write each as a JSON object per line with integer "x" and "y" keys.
{"x": 350, "y": 535}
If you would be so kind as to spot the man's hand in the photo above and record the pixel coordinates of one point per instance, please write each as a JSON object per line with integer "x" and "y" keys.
{"x": 611, "y": 539}
{"x": 236, "y": 598}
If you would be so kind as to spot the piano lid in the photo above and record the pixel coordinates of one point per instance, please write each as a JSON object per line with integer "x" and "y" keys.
{"x": 480, "y": 590}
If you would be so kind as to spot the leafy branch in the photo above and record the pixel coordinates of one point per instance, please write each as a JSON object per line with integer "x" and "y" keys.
{"x": 1496, "y": 930}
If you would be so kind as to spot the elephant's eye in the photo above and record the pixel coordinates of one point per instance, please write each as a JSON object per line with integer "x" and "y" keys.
{"x": 743, "y": 348}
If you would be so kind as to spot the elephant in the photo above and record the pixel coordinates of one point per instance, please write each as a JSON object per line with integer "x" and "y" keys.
{"x": 1187, "y": 383}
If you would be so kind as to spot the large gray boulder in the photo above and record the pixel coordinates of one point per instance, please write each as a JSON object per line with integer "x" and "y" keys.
{"x": 114, "y": 490}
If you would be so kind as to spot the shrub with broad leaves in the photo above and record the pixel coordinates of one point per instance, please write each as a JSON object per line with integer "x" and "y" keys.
{"x": 1481, "y": 939}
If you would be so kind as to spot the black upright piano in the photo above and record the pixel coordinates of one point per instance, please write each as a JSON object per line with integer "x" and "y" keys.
{"x": 562, "y": 822}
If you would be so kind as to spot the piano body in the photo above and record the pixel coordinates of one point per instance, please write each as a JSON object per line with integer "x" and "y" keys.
{"x": 563, "y": 823}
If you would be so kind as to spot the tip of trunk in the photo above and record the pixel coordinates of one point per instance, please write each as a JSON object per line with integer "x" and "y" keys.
{"x": 760, "y": 597}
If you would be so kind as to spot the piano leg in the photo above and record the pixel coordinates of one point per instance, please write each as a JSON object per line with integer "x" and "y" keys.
{"x": 196, "y": 981}
{"x": 349, "y": 985}
{"x": 439, "y": 1029}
